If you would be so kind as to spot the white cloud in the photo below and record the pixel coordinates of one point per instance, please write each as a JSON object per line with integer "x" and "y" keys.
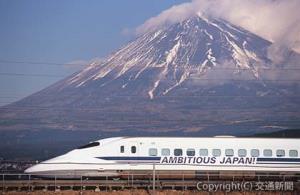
{"x": 170, "y": 16}
{"x": 275, "y": 20}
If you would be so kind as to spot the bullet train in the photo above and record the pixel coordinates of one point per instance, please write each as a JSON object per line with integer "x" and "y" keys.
{"x": 112, "y": 156}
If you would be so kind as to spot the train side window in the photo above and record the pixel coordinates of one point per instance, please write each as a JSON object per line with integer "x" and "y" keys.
{"x": 280, "y": 153}
{"x": 122, "y": 149}
{"x": 133, "y": 149}
{"x": 216, "y": 152}
{"x": 177, "y": 152}
{"x": 254, "y": 152}
{"x": 229, "y": 152}
{"x": 293, "y": 153}
{"x": 190, "y": 152}
{"x": 203, "y": 152}
{"x": 165, "y": 152}
{"x": 267, "y": 152}
{"x": 242, "y": 152}
{"x": 152, "y": 152}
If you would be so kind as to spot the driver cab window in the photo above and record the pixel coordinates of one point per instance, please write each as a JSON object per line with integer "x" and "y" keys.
{"x": 93, "y": 144}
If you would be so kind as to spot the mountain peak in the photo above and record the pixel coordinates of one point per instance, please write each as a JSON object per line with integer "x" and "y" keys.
{"x": 170, "y": 56}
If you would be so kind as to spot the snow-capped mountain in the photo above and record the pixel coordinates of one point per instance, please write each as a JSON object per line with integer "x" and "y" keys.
{"x": 169, "y": 57}
{"x": 199, "y": 76}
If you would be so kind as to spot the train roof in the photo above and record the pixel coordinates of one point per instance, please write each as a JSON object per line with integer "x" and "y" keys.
{"x": 193, "y": 138}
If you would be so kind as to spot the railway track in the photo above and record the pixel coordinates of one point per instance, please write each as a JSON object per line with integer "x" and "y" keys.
{"x": 109, "y": 184}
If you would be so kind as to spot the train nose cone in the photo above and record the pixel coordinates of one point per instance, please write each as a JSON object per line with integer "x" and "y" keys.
{"x": 45, "y": 166}
{"x": 34, "y": 169}
{"x": 28, "y": 170}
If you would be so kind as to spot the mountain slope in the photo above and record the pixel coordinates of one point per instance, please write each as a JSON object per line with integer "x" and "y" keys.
{"x": 194, "y": 76}
{"x": 173, "y": 55}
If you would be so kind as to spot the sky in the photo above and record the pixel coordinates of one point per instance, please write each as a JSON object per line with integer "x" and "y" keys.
{"x": 39, "y": 37}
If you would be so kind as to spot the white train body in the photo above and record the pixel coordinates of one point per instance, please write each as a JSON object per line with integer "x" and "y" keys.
{"x": 111, "y": 156}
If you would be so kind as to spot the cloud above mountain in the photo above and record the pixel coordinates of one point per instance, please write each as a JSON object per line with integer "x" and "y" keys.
{"x": 274, "y": 20}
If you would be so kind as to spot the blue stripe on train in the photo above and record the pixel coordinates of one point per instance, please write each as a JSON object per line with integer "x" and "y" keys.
{"x": 278, "y": 159}
{"x": 131, "y": 158}
{"x": 157, "y": 159}
{"x": 278, "y": 163}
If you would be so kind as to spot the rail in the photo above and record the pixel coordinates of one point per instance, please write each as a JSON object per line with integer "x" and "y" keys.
{"x": 149, "y": 181}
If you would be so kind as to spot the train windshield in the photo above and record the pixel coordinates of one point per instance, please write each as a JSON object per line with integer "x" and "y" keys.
{"x": 92, "y": 144}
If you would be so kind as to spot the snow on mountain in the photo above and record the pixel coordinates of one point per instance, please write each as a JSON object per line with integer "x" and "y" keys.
{"x": 176, "y": 54}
